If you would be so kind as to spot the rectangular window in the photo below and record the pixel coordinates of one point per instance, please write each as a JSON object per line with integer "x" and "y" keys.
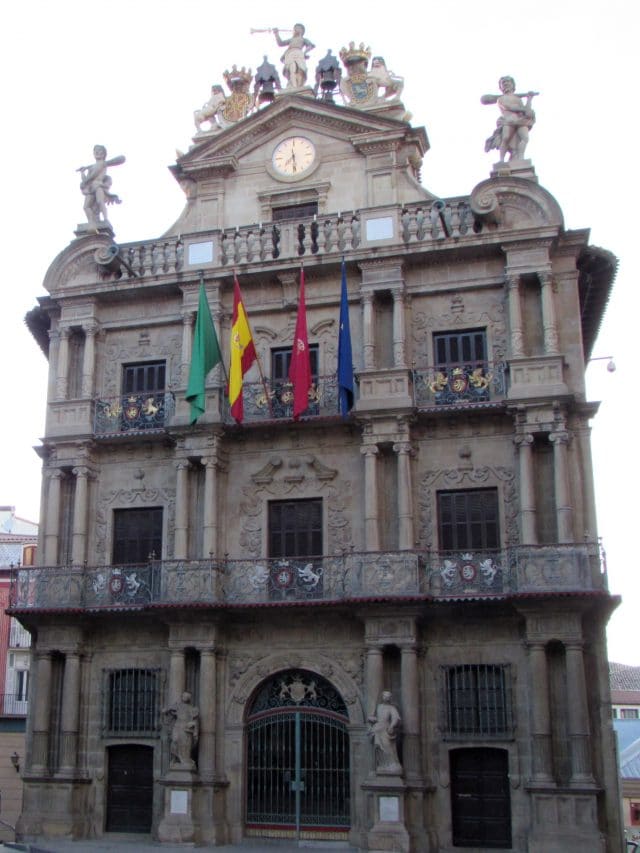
{"x": 137, "y": 535}
{"x": 131, "y": 705}
{"x": 281, "y": 362}
{"x": 463, "y": 348}
{"x": 476, "y": 701}
{"x": 22, "y": 685}
{"x": 282, "y": 392}
{"x": 294, "y": 211}
{"x": 295, "y": 528}
{"x": 468, "y": 520}
{"x": 144, "y": 378}
{"x": 629, "y": 714}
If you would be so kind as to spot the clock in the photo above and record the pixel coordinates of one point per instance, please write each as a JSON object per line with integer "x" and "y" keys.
{"x": 294, "y": 156}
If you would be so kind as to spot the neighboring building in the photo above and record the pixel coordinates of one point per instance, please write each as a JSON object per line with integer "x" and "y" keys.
{"x": 625, "y": 701}
{"x": 18, "y": 542}
{"x": 439, "y": 543}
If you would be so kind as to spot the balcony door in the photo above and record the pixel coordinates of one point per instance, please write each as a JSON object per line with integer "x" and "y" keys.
{"x": 137, "y": 535}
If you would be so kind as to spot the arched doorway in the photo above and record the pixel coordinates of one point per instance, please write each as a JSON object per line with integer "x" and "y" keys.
{"x": 298, "y": 772}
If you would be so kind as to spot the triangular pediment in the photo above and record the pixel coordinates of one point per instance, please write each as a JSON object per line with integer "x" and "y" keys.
{"x": 222, "y": 151}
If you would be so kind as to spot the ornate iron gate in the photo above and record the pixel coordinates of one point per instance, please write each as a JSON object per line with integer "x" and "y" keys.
{"x": 298, "y": 760}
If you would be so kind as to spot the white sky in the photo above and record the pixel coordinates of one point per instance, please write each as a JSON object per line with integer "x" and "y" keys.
{"x": 129, "y": 73}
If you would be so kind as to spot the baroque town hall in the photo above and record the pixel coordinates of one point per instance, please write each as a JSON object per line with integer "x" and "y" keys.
{"x": 382, "y": 625}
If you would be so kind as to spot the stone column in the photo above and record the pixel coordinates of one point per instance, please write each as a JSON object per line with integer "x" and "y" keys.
{"x": 210, "y": 527}
{"x": 371, "y": 527}
{"x": 410, "y": 711}
{"x": 187, "y": 343}
{"x": 89, "y": 360}
{"x": 52, "y": 518}
{"x": 62, "y": 375}
{"x": 182, "y": 510}
{"x": 368, "y": 345}
{"x": 373, "y": 678}
{"x": 405, "y": 496}
{"x": 515, "y": 316}
{"x": 577, "y": 716}
{"x": 540, "y": 715}
{"x": 41, "y": 715}
{"x": 70, "y": 714}
{"x": 80, "y": 515}
{"x": 207, "y": 699}
{"x": 524, "y": 443}
{"x": 564, "y": 510}
{"x": 176, "y": 675}
{"x": 549, "y": 323}
{"x": 399, "y": 331}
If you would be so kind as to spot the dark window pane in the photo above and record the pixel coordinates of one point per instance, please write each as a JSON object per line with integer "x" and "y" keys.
{"x": 137, "y": 533}
{"x": 147, "y": 377}
{"x": 468, "y": 520}
{"x": 295, "y": 528}
{"x": 468, "y": 347}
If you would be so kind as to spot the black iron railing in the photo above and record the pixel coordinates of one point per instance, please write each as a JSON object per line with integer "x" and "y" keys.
{"x": 133, "y": 413}
{"x": 274, "y": 400}
{"x": 452, "y": 384}
{"x": 352, "y": 576}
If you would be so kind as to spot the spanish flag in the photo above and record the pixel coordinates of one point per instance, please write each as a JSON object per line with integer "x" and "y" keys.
{"x": 243, "y": 353}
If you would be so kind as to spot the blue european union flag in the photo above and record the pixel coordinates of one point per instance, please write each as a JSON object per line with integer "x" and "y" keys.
{"x": 345, "y": 360}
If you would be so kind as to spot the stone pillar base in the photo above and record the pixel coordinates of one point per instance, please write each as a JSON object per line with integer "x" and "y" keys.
{"x": 177, "y": 825}
{"x": 386, "y": 795}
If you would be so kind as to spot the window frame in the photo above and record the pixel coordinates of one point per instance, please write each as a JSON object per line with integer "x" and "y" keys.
{"x": 457, "y": 534}
{"x": 477, "y": 701}
{"x": 140, "y": 715}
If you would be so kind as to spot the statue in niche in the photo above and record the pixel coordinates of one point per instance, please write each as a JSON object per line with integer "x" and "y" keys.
{"x": 294, "y": 59}
{"x": 185, "y": 731}
{"x": 383, "y": 730}
{"x": 209, "y": 111}
{"x": 95, "y": 185}
{"x": 514, "y": 123}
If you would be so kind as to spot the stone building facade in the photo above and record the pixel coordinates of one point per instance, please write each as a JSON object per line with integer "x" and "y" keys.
{"x": 219, "y": 608}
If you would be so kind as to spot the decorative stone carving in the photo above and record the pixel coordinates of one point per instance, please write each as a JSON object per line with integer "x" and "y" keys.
{"x": 459, "y": 316}
{"x": 209, "y": 111}
{"x": 133, "y": 497}
{"x": 185, "y": 731}
{"x": 516, "y": 119}
{"x": 95, "y": 185}
{"x": 368, "y": 87}
{"x": 384, "y": 728}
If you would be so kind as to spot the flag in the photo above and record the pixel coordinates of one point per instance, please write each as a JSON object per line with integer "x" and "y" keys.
{"x": 300, "y": 367}
{"x": 204, "y": 357}
{"x": 345, "y": 360}
{"x": 243, "y": 353}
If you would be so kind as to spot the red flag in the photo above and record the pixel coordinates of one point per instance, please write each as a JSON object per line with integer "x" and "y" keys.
{"x": 243, "y": 353}
{"x": 300, "y": 367}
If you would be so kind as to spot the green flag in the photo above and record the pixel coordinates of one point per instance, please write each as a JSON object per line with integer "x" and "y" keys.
{"x": 206, "y": 354}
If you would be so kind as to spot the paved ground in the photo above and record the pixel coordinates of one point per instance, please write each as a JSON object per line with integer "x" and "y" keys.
{"x": 137, "y": 845}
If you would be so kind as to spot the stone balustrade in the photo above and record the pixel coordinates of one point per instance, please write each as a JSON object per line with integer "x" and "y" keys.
{"x": 353, "y": 576}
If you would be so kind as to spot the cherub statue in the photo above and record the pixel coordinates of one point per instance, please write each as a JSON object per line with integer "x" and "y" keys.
{"x": 95, "y": 185}
{"x": 516, "y": 119}
{"x": 294, "y": 59}
{"x": 209, "y": 111}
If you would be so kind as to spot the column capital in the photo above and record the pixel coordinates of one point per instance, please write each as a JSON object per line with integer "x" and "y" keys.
{"x": 560, "y": 437}
{"x": 546, "y": 279}
{"x": 64, "y": 332}
{"x": 82, "y": 471}
{"x": 367, "y": 297}
{"x": 188, "y": 317}
{"x": 512, "y": 280}
{"x": 523, "y": 440}
{"x": 54, "y": 474}
{"x": 91, "y": 329}
{"x": 370, "y": 450}
{"x": 398, "y": 292}
{"x": 403, "y": 448}
{"x": 182, "y": 464}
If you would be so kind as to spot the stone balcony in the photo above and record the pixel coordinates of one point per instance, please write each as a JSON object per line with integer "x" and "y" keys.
{"x": 350, "y": 577}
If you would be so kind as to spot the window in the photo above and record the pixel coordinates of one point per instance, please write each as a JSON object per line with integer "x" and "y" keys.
{"x": 137, "y": 535}
{"x": 628, "y": 713}
{"x": 295, "y": 528}
{"x": 468, "y": 348}
{"x": 146, "y": 377}
{"x": 476, "y": 701}
{"x": 131, "y": 701}
{"x": 22, "y": 685}
{"x": 468, "y": 520}
{"x": 282, "y": 390}
{"x": 634, "y": 814}
{"x": 295, "y": 211}
{"x": 144, "y": 400}
{"x": 461, "y": 372}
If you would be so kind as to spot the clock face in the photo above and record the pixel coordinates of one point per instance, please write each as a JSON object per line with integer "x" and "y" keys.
{"x": 294, "y": 156}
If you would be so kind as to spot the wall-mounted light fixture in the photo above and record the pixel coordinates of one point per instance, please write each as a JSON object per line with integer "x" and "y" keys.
{"x": 15, "y": 760}
{"x": 611, "y": 366}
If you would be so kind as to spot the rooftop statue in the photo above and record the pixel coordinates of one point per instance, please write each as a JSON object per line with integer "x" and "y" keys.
{"x": 516, "y": 119}
{"x": 95, "y": 185}
{"x": 267, "y": 82}
{"x": 210, "y": 111}
{"x": 368, "y": 87}
{"x": 294, "y": 59}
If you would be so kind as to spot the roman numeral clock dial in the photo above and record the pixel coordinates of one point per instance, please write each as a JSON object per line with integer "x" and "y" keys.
{"x": 294, "y": 156}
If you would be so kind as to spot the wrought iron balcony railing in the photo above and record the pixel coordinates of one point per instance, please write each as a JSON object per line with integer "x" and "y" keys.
{"x": 13, "y": 705}
{"x": 455, "y": 383}
{"x": 350, "y": 576}
{"x": 274, "y": 400}
{"x": 132, "y": 413}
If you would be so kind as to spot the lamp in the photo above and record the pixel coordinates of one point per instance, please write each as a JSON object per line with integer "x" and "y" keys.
{"x": 15, "y": 760}
{"x": 611, "y": 366}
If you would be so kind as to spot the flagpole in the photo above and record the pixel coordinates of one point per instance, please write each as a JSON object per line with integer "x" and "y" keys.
{"x": 224, "y": 369}
{"x": 259, "y": 363}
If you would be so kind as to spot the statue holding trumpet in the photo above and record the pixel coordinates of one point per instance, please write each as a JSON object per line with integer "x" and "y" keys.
{"x": 95, "y": 186}
{"x": 516, "y": 119}
{"x": 294, "y": 59}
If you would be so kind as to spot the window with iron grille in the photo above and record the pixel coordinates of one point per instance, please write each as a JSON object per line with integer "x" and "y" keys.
{"x": 131, "y": 702}
{"x": 477, "y": 701}
{"x": 468, "y": 520}
{"x": 295, "y": 528}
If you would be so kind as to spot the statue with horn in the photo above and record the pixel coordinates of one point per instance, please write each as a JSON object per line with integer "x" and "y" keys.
{"x": 95, "y": 185}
